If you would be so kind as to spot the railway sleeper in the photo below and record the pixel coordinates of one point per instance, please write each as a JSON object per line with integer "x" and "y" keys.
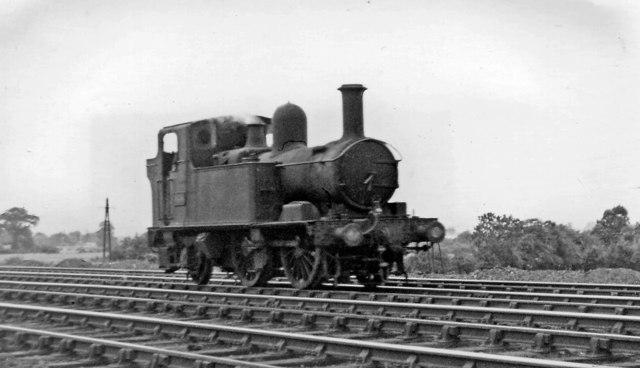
{"x": 542, "y": 343}
{"x": 600, "y": 346}
{"x": 305, "y": 348}
{"x": 303, "y": 361}
{"x": 81, "y": 320}
{"x": 224, "y": 350}
{"x": 264, "y": 356}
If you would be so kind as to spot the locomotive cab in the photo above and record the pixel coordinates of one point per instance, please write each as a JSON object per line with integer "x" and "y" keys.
{"x": 175, "y": 171}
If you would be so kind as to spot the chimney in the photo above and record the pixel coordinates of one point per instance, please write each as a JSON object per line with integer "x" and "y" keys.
{"x": 352, "y": 121}
{"x": 256, "y": 135}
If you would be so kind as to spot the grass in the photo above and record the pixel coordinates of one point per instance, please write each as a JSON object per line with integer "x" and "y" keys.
{"x": 129, "y": 264}
{"x": 76, "y": 260}
{"x": 47, "y": 259}
{"x": 597, "y": 276}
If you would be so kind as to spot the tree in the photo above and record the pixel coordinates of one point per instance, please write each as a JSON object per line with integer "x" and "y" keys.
{"x": 41, "y": 240}
{"x": 17, "y": 222}
{"x": 132, "y": 248}
{"x": 547, "y": 245}
{"x": 75, "y": 237}
{"x": 613, "y": 225}
{"x": 568, "y": 244}
{"x": 465, "y": 237}
{"x": 59, "y": 239}
{"x": 531, "y": 244}
{"x": 619, "y": 255}
{"x": 494, "y": 237}
{"x": 535, "y": 246}
{"x": 90, "y": 237}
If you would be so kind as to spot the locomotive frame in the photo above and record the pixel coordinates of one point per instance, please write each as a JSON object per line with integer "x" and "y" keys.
{"x": 313, "y": 214}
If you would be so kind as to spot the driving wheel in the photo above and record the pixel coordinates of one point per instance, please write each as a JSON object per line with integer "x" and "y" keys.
{"x": 200, "y": 270}
{"x": 303, "y": 267}
{"x": 253, "y": 267}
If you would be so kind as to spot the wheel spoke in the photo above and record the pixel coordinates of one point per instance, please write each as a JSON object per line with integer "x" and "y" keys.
{"x": 299, "y": 267}
{"x": 308, "y": 267}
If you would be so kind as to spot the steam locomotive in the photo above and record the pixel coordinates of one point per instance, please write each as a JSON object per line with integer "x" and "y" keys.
{"x": 226, "y": 198}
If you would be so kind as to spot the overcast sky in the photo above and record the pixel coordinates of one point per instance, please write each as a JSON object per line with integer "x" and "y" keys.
{"x": 527, "y": 108}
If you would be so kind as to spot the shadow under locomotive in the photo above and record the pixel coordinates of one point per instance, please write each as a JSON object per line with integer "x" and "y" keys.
{"x": 226, "y": 198}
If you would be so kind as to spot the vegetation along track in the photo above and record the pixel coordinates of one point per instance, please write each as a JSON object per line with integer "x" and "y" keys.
{"x": 69, "y": 319}
{"x": 467, "y": 284}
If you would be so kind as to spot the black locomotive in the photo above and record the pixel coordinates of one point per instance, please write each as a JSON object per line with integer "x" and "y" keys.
{"x": 227, "y": 198}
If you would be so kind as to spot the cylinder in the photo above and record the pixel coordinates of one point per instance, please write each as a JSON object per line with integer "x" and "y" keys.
{"x": 352, "y": 111}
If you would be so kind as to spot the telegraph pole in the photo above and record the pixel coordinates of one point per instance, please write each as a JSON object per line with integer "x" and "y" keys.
{"x": 106, "y": 232}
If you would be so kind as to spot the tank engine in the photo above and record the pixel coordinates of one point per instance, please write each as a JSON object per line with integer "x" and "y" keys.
{"x": 226, "y": 198}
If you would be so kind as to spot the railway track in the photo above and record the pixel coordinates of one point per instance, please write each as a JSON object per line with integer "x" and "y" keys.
{"x": 64, "y": 318}
{"x": 427, "y": 283}
{"x": 580, "y": 301}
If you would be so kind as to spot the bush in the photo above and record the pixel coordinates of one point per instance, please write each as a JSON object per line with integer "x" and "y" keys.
{"x": 18, "y": 261}
{"x": 131, "y": 248}
{"x": 461, "y": 262}
{"x": 46, "y": 249}
{"x": 505, "y": 241}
